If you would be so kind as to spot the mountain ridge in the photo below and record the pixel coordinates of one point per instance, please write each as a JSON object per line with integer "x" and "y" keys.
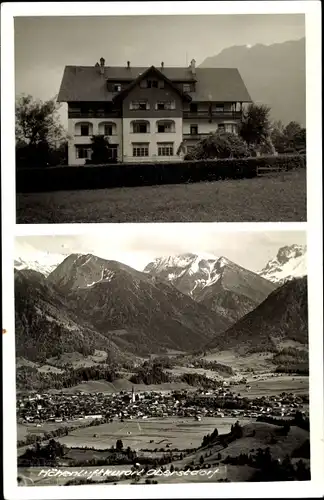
{"x": 282, "y": 316}
{"x": 290, "y": 262}
{"x": 270, "y": 73}
{"x": 137, "y": 313}
{"x": 220, "y": 284}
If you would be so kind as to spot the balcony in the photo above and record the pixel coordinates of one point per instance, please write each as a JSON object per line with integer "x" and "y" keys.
{"x": 94, "y": 114}
{"x": 197, "y": 137}
{"x": 230, "y": 115}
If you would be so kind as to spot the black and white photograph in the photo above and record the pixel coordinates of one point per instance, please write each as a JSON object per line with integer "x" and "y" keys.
{"x": 162, "y": 297}
{"x": 161, "y": 118}
{"x": 145, "y": 358}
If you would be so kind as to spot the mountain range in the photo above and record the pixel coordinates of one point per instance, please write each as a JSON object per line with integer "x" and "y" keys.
{"x": 274, "y": 75}
{"x": 290, "y": 262}
{"x": 48, "y": 263}
{"x": 281, "y": 318}
{"x": 180, "y": 303}
{"x": 218, "y": 283}
{"x": 134, "y": 311}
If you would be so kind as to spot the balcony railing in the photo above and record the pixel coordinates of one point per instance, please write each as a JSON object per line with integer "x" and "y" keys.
{"x": 234, "y": 115}
{"x": 195, "y": 136}
{"x": 94, "y": 114}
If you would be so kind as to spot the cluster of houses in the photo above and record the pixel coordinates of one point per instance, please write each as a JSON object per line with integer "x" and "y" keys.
{"x": 68, "y": 407}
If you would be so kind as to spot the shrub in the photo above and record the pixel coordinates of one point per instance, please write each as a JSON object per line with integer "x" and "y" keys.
{"x": 130, "y": 175}
{"x": 219, "y": 145}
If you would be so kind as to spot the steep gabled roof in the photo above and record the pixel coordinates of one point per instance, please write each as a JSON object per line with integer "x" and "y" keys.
{"x": 141, "y": 77}
{"x": 86, "y": 83}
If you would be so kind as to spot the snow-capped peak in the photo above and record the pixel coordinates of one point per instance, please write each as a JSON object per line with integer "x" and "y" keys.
{"x": 290, "y": 262}
{"x": 181, "y": 261}
{"x": 196, "y": 271}
{"x": 43, "y": 263}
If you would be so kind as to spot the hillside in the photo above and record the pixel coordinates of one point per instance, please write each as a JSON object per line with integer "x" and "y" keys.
{"x": 281, "y": 317}
{"x": 273, "y": 74}
{"x": 216, "y": 282}
{"x": 263, "y": 443}
{"x": 45, "y": 326}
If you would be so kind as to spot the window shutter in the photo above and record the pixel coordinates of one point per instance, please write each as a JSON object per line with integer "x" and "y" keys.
{"x": 173, "y": 105}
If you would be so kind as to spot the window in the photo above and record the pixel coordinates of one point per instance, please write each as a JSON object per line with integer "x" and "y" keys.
{"x": 152, "y": 84}
{"x": 83, "y": 152}
{"x": 140, "y": 128}
{"x": 221, "y": 127}
{"x": 162, "y": 105}
{"x": 194, "y": 129}
{"x": 117, "y": 87}
{"x": 161, "y": 84}
{"x": 193, "y": 107}
{"x": 231, "y": 127}
{"x": 164, "y": 127}
{"x": 139, "y": 105}
{"x": 108, "y": 129}
{"x": 141, "y": 149}
{"x": 165, "y": 149}
{"x": 219, "y": 108}
{"x": 84, "y": 129}
{"x": 186, "y": 87}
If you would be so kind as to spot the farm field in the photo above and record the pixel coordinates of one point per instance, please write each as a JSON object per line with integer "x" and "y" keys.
{"x": 24, "y": 429}
{"x": 275, "y": 385}
{"x": 270, "y": 198}
{"x": 176, "y": 432}
{"x": 122, "y": 385}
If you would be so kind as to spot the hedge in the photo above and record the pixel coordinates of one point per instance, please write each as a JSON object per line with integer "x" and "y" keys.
{"x": 147, "y": 174}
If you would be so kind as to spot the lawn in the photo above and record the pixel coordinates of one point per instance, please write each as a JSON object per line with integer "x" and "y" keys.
{"x": 270, "y": 198}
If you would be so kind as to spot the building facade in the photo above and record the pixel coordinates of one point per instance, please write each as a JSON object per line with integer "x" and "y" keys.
{"x": 148, "y": 114}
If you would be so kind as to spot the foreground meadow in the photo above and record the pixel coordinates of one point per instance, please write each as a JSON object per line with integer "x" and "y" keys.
{"x": 270, "y": 198}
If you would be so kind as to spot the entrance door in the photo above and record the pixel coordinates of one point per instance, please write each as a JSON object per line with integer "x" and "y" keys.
{"x": 113, "y": 153}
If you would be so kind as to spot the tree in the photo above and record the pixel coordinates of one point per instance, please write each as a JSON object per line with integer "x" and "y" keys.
{"x": 100, "y": 150}
{"x": 119, "y": 445}
{"x": 296, "y": 136}
{"x": 201, "y": 460}
{"x": 255, "y": 127}
{"x": 38, "y": 131}
{"x": 219, "y": 145}
{"x": 288, "y": 139}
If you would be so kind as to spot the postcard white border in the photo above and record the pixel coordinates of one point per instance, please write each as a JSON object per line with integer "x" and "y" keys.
{"x": 312, "y": 10}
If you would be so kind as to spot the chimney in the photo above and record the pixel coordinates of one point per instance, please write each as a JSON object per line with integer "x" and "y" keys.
{"x": 193, "y": 66}
{"x": 162, "y": 65}
{"x": 102, "y": 65}
{"x": 128, "y": 64}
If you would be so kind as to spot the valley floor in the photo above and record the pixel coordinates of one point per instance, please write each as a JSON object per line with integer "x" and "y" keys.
{"x": 271, "y": 198}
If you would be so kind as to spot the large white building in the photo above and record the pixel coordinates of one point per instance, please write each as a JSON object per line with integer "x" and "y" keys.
{"x": 148, "y": 114}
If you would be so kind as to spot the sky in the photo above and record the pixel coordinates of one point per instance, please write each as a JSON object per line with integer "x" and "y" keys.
{"x": 138, "y": 244}
{"x": 45, "y": 45}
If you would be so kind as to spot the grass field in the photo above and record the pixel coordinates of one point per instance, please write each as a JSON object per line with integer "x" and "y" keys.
{"x": 274, "y": 386}
{"x": 24, "y": 429}
{"x": 270, "y": 198}
{"x": 176, "y": 432}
